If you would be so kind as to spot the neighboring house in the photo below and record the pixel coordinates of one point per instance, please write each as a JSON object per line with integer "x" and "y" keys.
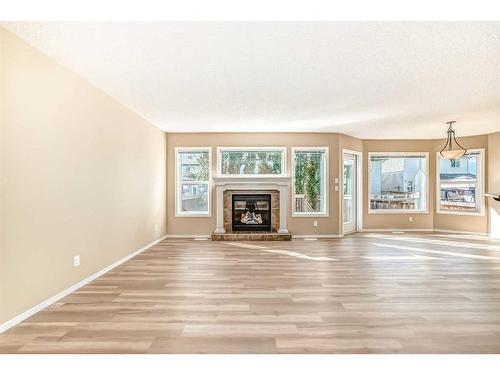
{"x": 458, "y": 183}
{"x": 193, "y": 195}
{"x": 398, "y": 175}
{"x": 461, "y": 169}
{"x": 189, "y": 164}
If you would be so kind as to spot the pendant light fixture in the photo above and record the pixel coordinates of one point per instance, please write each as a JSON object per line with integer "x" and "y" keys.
{"x": 452, "y": 149}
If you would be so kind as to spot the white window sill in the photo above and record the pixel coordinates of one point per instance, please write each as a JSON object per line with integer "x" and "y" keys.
{"x": 460, "y": 213}
{"x": 250, "y": 175}
{"x": 192, "y": 215}
{"x": 312, "y": 214}
{"x": 396, "y": 212}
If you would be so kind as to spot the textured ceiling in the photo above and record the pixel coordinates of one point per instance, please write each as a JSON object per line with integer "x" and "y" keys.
{"x": 370, "y": 80}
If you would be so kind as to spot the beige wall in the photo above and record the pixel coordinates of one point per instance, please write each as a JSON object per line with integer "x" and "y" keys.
{"x": 205, "y": 226}
{"x": 350, "y": 143}
{"x": 80, "y": 174}
{"x": 494, "y": 183}
{"x": 2, "y": 120}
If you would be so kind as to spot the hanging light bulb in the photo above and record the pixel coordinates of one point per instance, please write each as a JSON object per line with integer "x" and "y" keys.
{"x": 452, "y": 149}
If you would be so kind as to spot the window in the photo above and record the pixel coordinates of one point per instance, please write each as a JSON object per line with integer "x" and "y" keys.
{"x": 398, "y": 182}
{"x": 310, "y": 181}
{"x": 460, "y": 184}
{"x": 193, "y": 181}
{"x": 251, "y": 161}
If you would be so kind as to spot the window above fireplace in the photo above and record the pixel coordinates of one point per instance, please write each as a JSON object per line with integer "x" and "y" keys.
{"x": 251, "y": 161}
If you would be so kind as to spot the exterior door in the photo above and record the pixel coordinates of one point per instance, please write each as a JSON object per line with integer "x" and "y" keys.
{"x": 350, "y": 191}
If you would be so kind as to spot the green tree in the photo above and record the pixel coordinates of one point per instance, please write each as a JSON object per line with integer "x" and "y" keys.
{"x": 263, "y": 163}
{"x": 235, "y": 159}
{"x": 200, "y": 171}
{"x": 250, "y": 163}
{"x": 300, "y": 171}
{"x": 225, "y": 163}
{"x": 347, "y": 179}
{"x": 231, "y": 162}
{"x": 275, "y": 161}
{"x": 203, "y": 162}
{"x": 312, "y": 180}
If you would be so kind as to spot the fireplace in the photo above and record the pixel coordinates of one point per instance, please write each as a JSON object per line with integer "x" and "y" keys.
{"x": 251, "y": 212}
{"x": 276, "y": 187}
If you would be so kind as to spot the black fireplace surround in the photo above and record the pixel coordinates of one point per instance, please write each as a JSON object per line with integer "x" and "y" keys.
{"x": 251, "y": 212}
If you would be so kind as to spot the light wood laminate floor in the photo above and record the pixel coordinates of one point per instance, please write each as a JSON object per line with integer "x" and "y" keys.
{"x": 364, "y": 293}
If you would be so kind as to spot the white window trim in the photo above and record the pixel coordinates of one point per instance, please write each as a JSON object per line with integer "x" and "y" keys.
{"x": 398, "y": 211}
{"x": 479, "y": 183}
{"x": 281, "y": 149}
{"x": 326, "y": 212}
{"x": 178, "y": 212}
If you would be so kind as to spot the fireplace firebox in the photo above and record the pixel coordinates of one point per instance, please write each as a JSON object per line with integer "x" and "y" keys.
{"x": 251, "y": 212}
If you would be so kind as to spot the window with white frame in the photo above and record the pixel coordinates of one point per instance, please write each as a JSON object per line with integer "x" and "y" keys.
{"x": 398, "y": 182}
{"x": 193, "y": 181}
{"x": 251, "y": 161}
{"x": 310, "y": 181}
{"x": 460, "y": 184}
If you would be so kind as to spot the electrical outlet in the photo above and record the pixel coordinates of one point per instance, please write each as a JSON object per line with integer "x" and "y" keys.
{"x": 315, "y": 223}
{"x": 336, "y": 187}
{"x": 156, "y": 227}
{"x": 410, "y": 219}
{"x": 76, "y": 261}
{"x": 336, "y": 180}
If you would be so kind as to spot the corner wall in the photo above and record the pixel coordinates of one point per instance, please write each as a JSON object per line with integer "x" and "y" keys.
{"x": 79, "y": 175}
{"x": 493, "y": 207}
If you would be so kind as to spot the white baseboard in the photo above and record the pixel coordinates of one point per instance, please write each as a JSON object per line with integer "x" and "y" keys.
{"x": 317, "y": 236}
{"x": 191, "y": 236}
{"x": 398, "y": 230}
{"x": 426, "y": 230}
{"x": 200, "y": 236}
{"x": 32, "y": 311}
{"x": 301, "y": 236}
{"x": 461, "y": 232}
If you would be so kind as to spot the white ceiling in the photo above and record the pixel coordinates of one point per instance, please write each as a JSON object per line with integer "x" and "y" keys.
{"x": 369, "y": 80}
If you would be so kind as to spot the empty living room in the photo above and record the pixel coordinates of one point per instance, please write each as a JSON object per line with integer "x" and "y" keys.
{"x": 216, "y": 187}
